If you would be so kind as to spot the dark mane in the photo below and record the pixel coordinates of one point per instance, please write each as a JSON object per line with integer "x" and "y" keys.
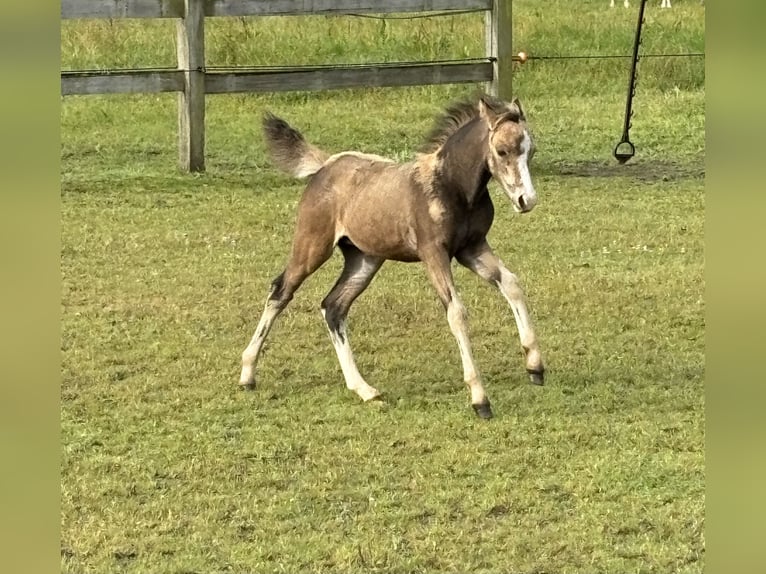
{"x": 451, "y": 120}
{"x": 459, "y": 114}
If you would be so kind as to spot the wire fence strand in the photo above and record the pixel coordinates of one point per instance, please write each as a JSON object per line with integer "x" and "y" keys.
{"x": 308, "y": 67}
{"x": 615, "y": 56}
{"x": 418, "y": 16}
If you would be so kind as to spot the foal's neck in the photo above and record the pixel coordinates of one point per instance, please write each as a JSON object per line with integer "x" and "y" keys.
{"x": 464, "y": 169}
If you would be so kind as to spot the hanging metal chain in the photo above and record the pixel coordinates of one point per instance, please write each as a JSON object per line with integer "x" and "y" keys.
{"x": 625, "y": 150}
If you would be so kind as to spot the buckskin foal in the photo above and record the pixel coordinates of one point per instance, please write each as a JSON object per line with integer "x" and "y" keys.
{"x": 432, "y": 209}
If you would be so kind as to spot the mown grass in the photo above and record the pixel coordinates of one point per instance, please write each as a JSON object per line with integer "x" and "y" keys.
{"x": 167, "y": 467}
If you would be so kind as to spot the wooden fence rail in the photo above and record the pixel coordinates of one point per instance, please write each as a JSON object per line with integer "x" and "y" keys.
{"x": 192, "y": 80}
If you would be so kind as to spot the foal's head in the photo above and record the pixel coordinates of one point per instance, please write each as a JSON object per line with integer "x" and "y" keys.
{"x": 509, "y": 151}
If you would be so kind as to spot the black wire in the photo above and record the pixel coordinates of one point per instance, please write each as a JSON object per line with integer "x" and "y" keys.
{"x": 353, "y": 65}
{"x": 107, "y": 71}
{"x": 597, "y": 56}
{"x": 416, "y": 16}
{"x": 277, "y": 68}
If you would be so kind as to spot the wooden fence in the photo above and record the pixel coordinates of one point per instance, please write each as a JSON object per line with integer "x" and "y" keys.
{"x": 192, "y": 81}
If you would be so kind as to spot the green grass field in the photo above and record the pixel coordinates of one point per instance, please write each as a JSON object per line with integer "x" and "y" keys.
{"x": 168, "y": 467}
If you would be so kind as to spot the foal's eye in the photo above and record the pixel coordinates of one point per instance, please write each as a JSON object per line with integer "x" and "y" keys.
{"x": 502, "y": 152}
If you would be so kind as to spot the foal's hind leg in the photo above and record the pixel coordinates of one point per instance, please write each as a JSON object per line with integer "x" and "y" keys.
{"x": 358, "y": 271}
{"x": 437, "y": 264}
{"x": 308, "y": 254}
{"x": 481, "y": 260}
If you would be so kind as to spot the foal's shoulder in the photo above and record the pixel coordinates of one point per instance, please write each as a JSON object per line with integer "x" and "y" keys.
{"x": 424, "y": 168}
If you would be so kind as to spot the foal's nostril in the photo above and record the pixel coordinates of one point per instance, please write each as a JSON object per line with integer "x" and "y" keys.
{"x": 522, "y": 203}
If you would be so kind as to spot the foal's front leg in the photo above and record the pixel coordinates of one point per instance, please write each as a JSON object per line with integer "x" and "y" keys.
{"x": 482, "y": 260}
{"x": 437, "y": 264}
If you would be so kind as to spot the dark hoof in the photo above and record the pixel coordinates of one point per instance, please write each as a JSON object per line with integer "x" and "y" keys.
{"x": 247, "y": 386}
{"x": 483, "y": 410}
{"x": 536, "y": 377}
{"x": 378, "y": 401}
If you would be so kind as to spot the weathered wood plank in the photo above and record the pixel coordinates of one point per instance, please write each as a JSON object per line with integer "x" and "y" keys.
{"x": 352, "y": 77}
{"x": 293, "y": 7}
{"x": 121, "y": 9}
{"x": 175, "y": 8}
{"x": 498, "y": 36}
{"x": 190, "y": 41}
{"x": 276, "y": 80}
{"x": 121, "y": 83}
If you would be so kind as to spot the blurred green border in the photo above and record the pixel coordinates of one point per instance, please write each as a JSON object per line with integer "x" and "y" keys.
{"x": 735, "y": 283}
{"x": 30, "y": 308}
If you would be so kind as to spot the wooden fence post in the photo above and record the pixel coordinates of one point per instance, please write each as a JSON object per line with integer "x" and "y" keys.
{"x": 498, "y": 34}
{"x": 191, "y": 101}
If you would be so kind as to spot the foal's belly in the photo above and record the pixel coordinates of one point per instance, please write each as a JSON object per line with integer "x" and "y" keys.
{"x": 383, "y": 239}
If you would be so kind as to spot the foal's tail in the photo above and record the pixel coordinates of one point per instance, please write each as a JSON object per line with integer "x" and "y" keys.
{"x": 289, "y": 150}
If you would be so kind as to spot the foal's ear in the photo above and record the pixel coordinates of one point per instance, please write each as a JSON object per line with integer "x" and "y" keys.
{"x": 490, "y": 110}
{"x": 516, "y": 104}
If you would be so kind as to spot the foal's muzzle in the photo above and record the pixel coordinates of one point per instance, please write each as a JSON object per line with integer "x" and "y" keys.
{"x": 524, "y": 202}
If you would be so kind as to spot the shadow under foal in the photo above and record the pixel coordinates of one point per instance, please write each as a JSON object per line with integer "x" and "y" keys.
{"x": 432, "y": 209}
